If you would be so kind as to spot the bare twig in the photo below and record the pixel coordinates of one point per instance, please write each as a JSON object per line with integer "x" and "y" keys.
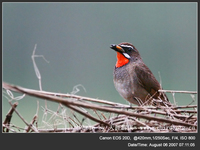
{"x": 173, "y": 91}
{"x": 87, "y": 115}
{"x": 32, "y": 127}
{"x": 188, "y": 106}
{"x": 148, "y": 127}
{"x": 142, "y": 117}
{"x": 9, "y": 86}
{"x": 31, "y": 124}
{"x": 37, "y": 72}
{"x": 75, "y": 129}
{"x": 8, "y": 128}
{"x": 70, "y": 103}
{"x": 8, "y": 117}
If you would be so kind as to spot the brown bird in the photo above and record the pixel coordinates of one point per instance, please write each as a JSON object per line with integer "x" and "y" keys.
{"x": 133, "y": 79}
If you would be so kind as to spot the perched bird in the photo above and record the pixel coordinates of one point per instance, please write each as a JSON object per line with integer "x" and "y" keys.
{"x": 133, "y": 79}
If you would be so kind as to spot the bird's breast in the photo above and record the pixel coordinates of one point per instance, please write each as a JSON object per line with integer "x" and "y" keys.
{"x": 123, "y": 82}
{"x": 126, "y": 83}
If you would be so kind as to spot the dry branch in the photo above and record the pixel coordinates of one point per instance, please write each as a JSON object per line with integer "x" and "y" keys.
{"x": 172, "y": 115}
{"x": 173, "y": 91}
{"x": 7, "y": 120}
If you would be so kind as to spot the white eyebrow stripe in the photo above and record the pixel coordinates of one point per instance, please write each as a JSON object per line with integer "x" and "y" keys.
{"x": 126, "y": 46}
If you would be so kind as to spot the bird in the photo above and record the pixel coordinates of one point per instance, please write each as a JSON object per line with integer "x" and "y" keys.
{"x": 133, "y": 80}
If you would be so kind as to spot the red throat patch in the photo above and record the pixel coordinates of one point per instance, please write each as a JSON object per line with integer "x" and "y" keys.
{"x": 121, "y": 60}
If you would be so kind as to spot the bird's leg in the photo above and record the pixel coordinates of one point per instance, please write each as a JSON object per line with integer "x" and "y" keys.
{"x": 139, "y": 101}
{"x": 130, "y": 105}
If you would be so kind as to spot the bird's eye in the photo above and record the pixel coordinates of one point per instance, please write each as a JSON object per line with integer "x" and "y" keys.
{"x": 129, "y": 49}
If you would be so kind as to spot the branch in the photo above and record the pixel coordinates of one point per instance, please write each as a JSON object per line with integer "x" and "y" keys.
{"x": 75, "y": 102}
{"x": 8, "y": 117}
{"x": 173, "y": 91}
{"x": 16, "y": 89}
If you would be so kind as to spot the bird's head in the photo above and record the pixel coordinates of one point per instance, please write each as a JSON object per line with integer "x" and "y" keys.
{"x": 125, "y": 53}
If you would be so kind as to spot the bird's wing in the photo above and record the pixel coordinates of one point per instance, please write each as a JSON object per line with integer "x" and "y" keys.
{"x": 147, "y": 80}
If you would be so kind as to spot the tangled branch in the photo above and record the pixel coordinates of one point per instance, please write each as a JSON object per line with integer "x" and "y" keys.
{"x": 153, "y": 119}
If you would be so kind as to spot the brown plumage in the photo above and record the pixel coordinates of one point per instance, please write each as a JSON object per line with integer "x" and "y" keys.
{"x": 133, "y": 79}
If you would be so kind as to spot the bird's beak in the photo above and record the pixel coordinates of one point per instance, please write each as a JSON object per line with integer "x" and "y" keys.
{"x": 117, "y": 48}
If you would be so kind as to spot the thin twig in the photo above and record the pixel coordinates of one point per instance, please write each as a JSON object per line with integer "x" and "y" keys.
{"x": 8, "y": 128}
{"x": 87, "y": 115}
{"x": 148, "y": 127}
{"x": 32, "y": 127}
{"x": 31, "y": 124}
{"x": 173, "y": 91}
{"x": 8, "y": 117}
{"x": 75, "y": 129}
{"x": 188, "y": 106}
{"x": 37, "y": 71}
